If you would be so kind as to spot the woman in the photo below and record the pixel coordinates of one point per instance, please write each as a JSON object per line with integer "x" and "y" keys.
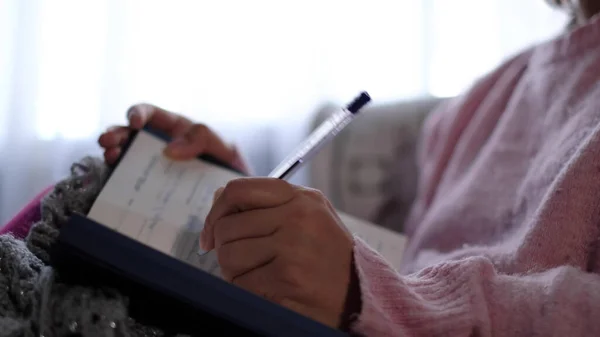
{"x": 504, "y": 231}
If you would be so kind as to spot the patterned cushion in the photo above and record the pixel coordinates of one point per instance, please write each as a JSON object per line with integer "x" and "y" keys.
{"x": 369, "y": 170}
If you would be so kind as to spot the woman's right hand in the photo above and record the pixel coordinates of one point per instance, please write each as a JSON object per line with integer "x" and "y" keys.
{"x": 188, "y": 139}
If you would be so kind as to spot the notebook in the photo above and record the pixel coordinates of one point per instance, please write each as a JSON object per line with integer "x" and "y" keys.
{"x": 143, "y": 229}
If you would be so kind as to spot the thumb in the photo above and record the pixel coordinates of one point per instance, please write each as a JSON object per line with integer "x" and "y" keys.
{"x": 138, "y": 115}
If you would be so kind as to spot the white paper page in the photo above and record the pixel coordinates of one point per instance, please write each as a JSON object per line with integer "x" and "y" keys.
{"x": 388, "y": 243}
{"x": 163, "y": 204}
{"x": 160, "y": 202}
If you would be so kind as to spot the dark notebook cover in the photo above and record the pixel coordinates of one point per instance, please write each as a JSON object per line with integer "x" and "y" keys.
{"x": 168, "y": 293}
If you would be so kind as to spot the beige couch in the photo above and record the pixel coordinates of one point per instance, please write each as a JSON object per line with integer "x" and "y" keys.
{"x": 369, "y": 169}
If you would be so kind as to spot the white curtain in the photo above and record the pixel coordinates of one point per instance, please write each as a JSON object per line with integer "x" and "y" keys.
{"x": 254, "y": 70}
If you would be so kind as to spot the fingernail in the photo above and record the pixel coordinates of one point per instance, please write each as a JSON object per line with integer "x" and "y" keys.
{"x": 217, "y": 194}
{"x": 135, "y": 119}
{"x": 202, "y": 239}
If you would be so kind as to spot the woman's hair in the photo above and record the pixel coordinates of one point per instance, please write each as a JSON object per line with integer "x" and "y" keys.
{"x": 573, "y": 16}
{"x": 584, "y": 10}
{"x": 554, "y": 3}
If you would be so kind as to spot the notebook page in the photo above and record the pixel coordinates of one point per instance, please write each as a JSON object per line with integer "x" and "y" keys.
{"x": 160, "y": 202}
{"x": 163, "y": 204}
{"x": 388, "y": 243}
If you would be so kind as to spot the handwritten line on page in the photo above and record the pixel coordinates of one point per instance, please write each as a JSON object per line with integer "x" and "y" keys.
{"x": 163, "y": 204}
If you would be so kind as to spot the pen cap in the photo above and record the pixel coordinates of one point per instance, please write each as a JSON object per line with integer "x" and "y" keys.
{"x": 359, "y": 102}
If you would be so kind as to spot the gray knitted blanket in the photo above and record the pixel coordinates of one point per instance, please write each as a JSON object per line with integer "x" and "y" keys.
{"x": 33, "y": 301}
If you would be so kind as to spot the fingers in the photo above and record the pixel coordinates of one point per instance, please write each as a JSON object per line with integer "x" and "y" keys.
{"x": 172, "y": 124}
{"x": 251, "y": 224}
{"x": 114, "y": 137}
{"x": 199, "y": 139}
{"x": 111, "y": 155}
{"x": 243, "y": 195}
{"x": 271, "y": 280}
{"x": 189, "y": 139}
{"x": 240, "y": 257}
{"x": 112, "y": 141}
{"x": 217, "y": 193}
{"x": 284, "y": 243}
{"x": 255, "y": 280}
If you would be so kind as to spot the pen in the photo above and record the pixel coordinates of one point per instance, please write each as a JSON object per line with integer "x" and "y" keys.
{"x": 319, "y": 137}
{"x": 315, "y": 141}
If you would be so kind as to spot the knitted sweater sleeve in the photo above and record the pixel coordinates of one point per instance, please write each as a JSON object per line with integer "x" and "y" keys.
{"x": 74, "y": 194}
{"x": 32, "y": 225}
{"x": 33, "y": 300}
{"x": 469, "y": 298}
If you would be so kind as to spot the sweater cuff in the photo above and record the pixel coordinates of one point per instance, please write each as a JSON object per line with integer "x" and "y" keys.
{"x": 372, "y": 271}
{"x": 396, "y": 305}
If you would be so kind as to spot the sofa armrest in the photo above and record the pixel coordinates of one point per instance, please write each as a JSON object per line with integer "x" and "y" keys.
{"x": 369, "y": 170}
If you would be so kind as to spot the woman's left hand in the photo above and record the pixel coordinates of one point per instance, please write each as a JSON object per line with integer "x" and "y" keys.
{"x": 283, "y": 242}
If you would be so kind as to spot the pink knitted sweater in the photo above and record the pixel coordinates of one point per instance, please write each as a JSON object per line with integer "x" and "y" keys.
{"x": 504, "y": 231}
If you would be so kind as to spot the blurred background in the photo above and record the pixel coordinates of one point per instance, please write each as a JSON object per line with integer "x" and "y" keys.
{"x": 256, "y": 71}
